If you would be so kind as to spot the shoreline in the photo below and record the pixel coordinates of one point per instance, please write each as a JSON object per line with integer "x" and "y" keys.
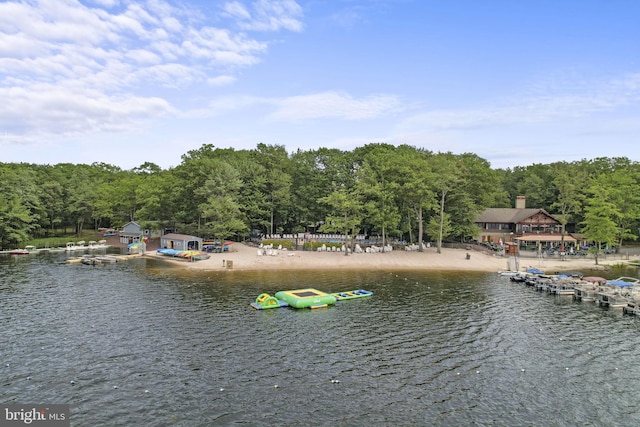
{"x": 246, "y": 258}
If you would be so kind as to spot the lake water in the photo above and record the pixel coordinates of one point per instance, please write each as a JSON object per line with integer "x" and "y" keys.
{"x": 141, "y": 343}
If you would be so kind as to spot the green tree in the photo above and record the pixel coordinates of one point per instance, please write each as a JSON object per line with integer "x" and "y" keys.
{"x": 625, "y": 192}
{"x": 221, "y": 208}
{"x": 568, "y": 196}
{"x": 16, "y": 222}
{"x": 478, "y": 188}
{"x": 445, "y": 179}
{"x": 377, "y": 183}
{"x": 601, "y": 215}
{"x": 416, "y": 191}
{"x": 346, "y": 214}
{"x": 277, "y": 182}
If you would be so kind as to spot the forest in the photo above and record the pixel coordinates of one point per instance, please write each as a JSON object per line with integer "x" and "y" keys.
{"x": 395, "y": 192}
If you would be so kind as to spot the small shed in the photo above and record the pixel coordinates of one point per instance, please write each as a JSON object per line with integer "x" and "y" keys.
{"x": 181, "y": 242}
{"x": 131, "y": 233}
{"x": 511, "y": 249}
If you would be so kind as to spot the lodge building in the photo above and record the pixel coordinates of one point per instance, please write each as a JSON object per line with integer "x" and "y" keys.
{"x": 524, "y": 226}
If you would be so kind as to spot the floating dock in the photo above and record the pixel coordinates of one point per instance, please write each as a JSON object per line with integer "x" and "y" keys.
{"x": 305, "y": 298}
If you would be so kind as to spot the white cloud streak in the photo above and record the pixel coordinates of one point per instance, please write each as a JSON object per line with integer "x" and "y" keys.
{"x": 68, "y": 66}
{"x": 266, "y": 15}
{"x": 334, "y": 105}
{"x": 609, "y": 96}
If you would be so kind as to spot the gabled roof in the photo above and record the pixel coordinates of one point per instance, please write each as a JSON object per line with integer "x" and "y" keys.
{"x": 174, "y": 236}
{"x": 510, "y": 215}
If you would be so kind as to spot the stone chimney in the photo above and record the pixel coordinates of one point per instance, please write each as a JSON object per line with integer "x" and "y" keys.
{"x": 521, "y": 202}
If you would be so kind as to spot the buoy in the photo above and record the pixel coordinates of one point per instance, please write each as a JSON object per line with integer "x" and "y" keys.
{"x": 115, "y": 387}
{"x": 72, "y": 382}
{"x": 28, "y": 378}
{"x": 146, "y": 391}
{"x": 221, "y": 388}
{"x": 275, "y": 386}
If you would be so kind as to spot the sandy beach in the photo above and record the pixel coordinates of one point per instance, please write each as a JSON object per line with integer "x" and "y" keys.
{"x": 245, "y": 258}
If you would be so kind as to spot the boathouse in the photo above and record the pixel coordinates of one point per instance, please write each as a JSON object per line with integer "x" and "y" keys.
{"x": 181, "y": 242}
{"x": 131, "y": 233}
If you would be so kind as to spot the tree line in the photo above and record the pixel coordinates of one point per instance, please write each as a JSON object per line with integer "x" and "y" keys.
{"x": 399, "y": 192}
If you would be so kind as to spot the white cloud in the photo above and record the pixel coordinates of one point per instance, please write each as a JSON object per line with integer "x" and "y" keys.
{"x": 237, "y": 10}
{"x": 334, "y": 105}
{"x": 73, "y": 67}
{"x": 605, "y": 97}
{"x": 58, "y": 111}
{"x": 106, "y": 3}
{"x": 220, "y": 80}
{"x": 266, "y": 15}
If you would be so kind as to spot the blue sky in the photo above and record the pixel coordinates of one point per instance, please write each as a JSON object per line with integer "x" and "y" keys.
{"x": 125, "y": 81}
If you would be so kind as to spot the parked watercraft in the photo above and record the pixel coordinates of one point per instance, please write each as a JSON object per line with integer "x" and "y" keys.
{"x": 617, "y": 293}
{"x": 19, "y": 252}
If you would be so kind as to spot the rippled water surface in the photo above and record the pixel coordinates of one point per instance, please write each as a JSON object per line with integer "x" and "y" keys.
{"x": 140, "y": 343}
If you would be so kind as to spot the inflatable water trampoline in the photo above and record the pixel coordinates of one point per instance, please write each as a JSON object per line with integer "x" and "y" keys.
{"x": 305, "y": 298}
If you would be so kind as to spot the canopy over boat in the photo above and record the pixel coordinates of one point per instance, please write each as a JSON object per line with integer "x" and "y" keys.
{"x": 623, "y": 282}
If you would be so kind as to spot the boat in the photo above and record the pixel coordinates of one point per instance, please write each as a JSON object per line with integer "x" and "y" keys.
{"x": 585, "y": 291}
{"x": 72, "y": 246}
{"x": 632, "y": 307}
{"x": 168, "y": 251}
{"x": 623, "y": 281}
{"x": 508, "y": 273}
{"x": 100, "y": 244}
{"x": 617, "y": 293}
{"x": 200, "y": 256}
{"x": 562, "y": 286}
{"x": 595, "y": 279}
{"x": 192, "y": 255}
{"x": 520, "y": 277}
{"x": 19, "y": 252}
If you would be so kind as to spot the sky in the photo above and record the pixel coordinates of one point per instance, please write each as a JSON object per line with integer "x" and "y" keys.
{"x": 126, "y": 82}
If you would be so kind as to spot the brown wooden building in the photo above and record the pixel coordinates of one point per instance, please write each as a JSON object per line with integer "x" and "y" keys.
{"x": 526, "y": 226}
